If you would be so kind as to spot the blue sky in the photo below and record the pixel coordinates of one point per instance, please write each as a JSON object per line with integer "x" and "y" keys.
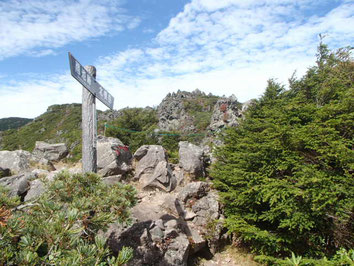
{"x": 143, "y": 49}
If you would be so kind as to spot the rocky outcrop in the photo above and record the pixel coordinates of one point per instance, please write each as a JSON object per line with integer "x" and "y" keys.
{"x": 50, "y": 152}
{"x": 191, "y": 158}
{"x": 170, "y": 227}
{"x": 226, "y": 113}
{"x": 172, "y": 114}
{"x": 152, "y": 169}
{"x": 17, "y": 161}
{"x": 113, "y": 157}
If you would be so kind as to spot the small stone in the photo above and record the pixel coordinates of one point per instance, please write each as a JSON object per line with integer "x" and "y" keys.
{"x": 171, "y": 224}
{"x": 189, "y": 215}
{"x": 156, "y": 234}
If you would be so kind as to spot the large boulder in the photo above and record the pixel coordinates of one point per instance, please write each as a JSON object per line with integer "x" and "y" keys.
{"x": 152, "y": 168}
{"x": 50, "y": 152}
{"x": 113, "y": 157}
{"x": 17, "y": 161}
{"x": 191, "y": 158}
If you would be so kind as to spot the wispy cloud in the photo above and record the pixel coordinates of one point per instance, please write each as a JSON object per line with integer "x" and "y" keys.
{"x": 224, "y": 47}
{"x": 29, "y": 25}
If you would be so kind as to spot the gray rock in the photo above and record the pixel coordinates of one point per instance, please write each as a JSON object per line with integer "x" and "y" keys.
{"x": 17, "y": 161}
{"x": 4, "y": 172}
{"x": 193, "y": 190}
{"x": 189, "y": 215}
{"x": 209, "y": 203}
{"x": 111, "y": 180}
{"x": 152, "y": 168}
{"x": 171, "y": 224}
{"x": 196, "y": 237}
{"x": 139, "y": 238}
{"x": 18, "y": 185}
{"x": 191, "y": 158}
{"x": 51, "y": 152}
{"x": 156, "y": 234}
{"x": 113, "y": 157}
{"x": 36, "y": 189}
{"x": 177, "y": 251}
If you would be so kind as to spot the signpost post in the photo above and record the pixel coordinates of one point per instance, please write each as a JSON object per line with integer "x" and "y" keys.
{"x": 90, "y": 91}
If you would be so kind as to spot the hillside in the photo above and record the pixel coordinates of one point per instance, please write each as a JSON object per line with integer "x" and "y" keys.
{"x": 60, "y": 123}
{"x": 13, "y": 122}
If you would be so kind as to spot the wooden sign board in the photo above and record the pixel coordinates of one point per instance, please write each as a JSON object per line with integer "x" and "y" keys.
{"x": 89, "y": 82}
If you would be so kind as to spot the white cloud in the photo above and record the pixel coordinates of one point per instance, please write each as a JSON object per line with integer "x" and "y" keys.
{"x": 223, "y": 47}
{"x": 29, "y": 25}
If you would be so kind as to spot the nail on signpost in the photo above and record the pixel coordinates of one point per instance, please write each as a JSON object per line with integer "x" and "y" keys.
{"x": 91, "y": 90}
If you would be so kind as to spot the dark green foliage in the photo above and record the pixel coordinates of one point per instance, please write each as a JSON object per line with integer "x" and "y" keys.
{"x": 286, "y": 174}
{"x": 60, "y": 228}
{"x": 137, "y": 127}
{"x": 13, "y": 122}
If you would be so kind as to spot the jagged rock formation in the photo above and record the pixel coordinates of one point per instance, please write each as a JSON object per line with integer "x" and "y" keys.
{"x": 226, "y": 112}
{"x": 185, "y": 111}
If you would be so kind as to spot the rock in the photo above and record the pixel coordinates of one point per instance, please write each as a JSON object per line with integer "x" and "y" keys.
{"x": 111, "y": 180}
{"x": 171, "y": 224}
{"x": 193, "y": 190}
{"x": 39, "y": 172}
{"x": 18, "y": 185}
{"x": 152, "y": 168}
{"x": 189, "y": 215}
{"x": 207, "y": 209}
{"x": 177, "y": 251}
{"x": 226, "y": 113}
{"x": 4, "y": 172}
{"x": 196, "y": 238}
{"x": 113, "y": 157}
{"x": 191, "y": 158}
{"x": 139, "y": 238}
{"x": 36, "y": 189}
{"x": 51, "y": 152}
{"x": 156, "y": 234}
{"x": 17, "y": 161}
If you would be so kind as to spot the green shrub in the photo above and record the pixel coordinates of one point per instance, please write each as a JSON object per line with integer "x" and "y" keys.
{"x": 285, "y": 175}
{"x": 61, "y": 227}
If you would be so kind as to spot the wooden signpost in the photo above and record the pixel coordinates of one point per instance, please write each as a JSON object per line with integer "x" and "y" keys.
{"x": 90, "y": 91}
